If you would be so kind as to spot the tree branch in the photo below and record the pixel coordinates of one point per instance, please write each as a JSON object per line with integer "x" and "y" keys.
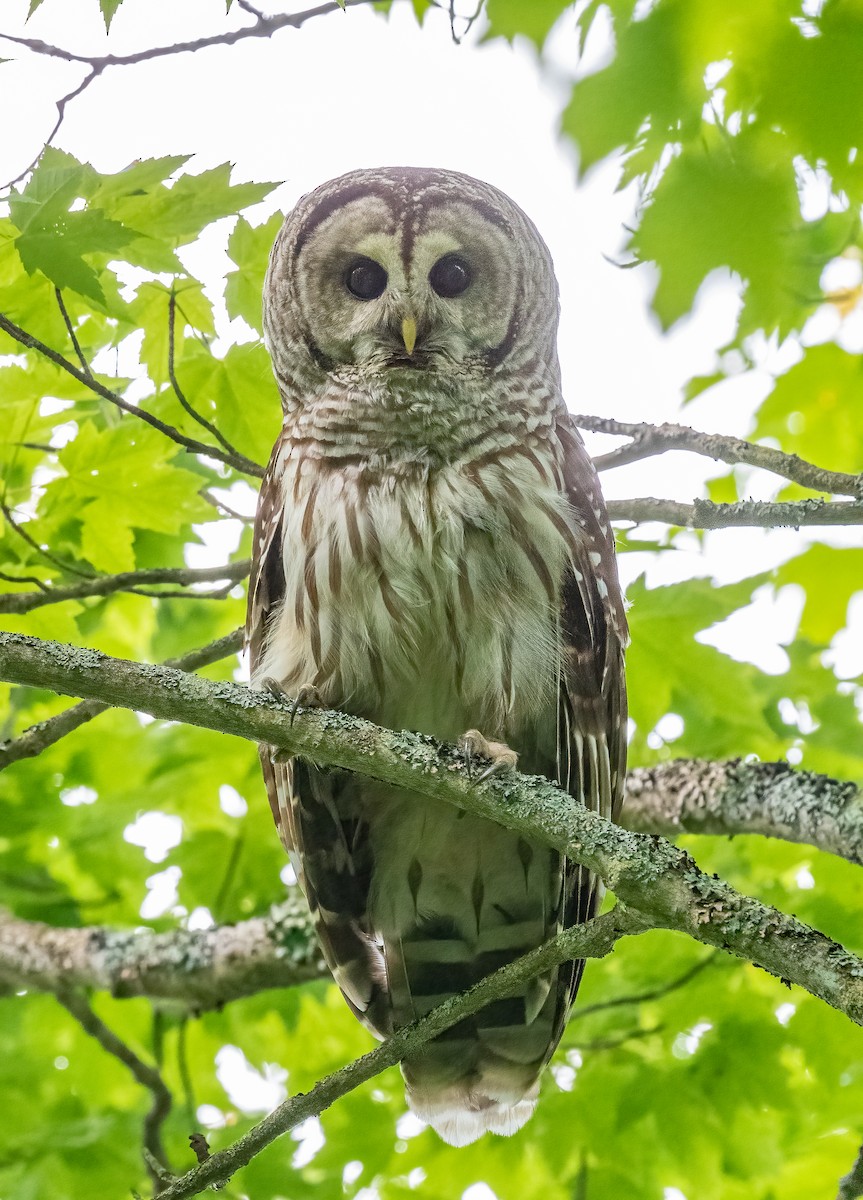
{"x": 23, "y": 533}
{"x": 772, "y": 799}
{"x": 851, "y": 1185}
{"x": 645, "y": 872}
{"x": 70, "y": 329}
{"x": 146, "y": 1075}
{"x": 178, "y": 391}
{"x": 263, "y": 27}
{"x": 704, "y": 514}
{"x": 649, "y": 439}
{"x": 238, "y": 462}
{"x": 39, "y": 737}
{"x": 657, "y": 993}
{"x": 593, "y": 940}
{"x": 200, "y": 969}
{"x": 61, "y": 113}
{"x": 126, "y": 581}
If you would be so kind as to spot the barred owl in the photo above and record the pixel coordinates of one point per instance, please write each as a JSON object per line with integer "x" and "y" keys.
{"x": 432, "y": 552}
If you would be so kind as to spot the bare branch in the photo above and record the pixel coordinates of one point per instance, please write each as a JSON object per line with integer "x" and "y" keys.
{"x": 704, "y": 514}
{"x": 657, "y": 993}
{"x": 239, "y": 463}
{"x": 211, "y": 498}
{"x": 26, "y": 536}
{"x": 593, "y": 940}
{"x": 61, "y": 113}
{"x": 771, "y": 799}
{"x": 200, "y": 969}
{"x": 851, "y": 1185}
{"x": 614, "y": 1043}
{"x": 39, "y": 737}
{"x": 85, "y": 366}
{"x": 146, "y": 1075}
{"x": 648, "y": 440}
{"x": 219, "y": 593}
{"x": 264, "y": 27}
{"x": 178, "y": 391}
{"x": 7, "y": 578}
{"x": 645, "y": 872}
{"x": 125, "y": 581}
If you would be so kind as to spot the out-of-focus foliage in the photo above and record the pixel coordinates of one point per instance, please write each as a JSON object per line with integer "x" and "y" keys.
{"x": 727, "y": 1087}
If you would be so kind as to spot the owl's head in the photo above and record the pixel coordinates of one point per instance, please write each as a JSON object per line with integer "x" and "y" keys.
{"x": 400, "y": 268}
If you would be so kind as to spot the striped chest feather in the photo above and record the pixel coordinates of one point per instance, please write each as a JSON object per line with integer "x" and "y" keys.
{"x": 423, "y": 598}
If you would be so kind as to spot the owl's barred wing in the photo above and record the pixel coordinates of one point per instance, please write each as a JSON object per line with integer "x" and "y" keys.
{"x": 592, "y": 709}
{"x": 266, "y": 592}
{"x": 594, "y": 633}
{"x": 330, "y": 854}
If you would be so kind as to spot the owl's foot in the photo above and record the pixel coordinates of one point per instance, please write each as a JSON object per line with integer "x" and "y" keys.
{"x": 499, "y": 756}
{"x": 307, "y": 696}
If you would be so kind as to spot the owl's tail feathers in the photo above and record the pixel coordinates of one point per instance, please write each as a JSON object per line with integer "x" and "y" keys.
{"x": 464, "y": 1090}
{"x": 459, "y": 1125}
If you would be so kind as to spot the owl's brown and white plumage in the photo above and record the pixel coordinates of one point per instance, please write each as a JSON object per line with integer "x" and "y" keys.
{"x": 432, "y": 552}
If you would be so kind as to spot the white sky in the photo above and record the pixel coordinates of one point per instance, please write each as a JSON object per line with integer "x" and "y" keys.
{"x": 350, "y": 90}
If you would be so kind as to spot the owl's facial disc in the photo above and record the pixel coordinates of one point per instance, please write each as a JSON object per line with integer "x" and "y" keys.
{"x": 382, "y": 287}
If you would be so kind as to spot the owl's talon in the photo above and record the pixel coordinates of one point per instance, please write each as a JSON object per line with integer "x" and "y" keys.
{"x": 500, "y": 757}
{"x": 270, "y": 684}
{"x": 307, "y": 697}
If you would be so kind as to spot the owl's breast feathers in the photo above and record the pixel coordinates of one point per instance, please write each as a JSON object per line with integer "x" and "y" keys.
{"x": 482, "y": 592}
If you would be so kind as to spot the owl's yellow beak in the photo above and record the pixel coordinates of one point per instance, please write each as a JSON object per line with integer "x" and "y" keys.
{"x": 409, "y": 334}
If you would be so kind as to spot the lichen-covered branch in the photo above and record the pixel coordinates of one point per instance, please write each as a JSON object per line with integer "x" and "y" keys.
{"x": 125, "y": 581}
{"x": 593, "y": 940}
{"x": 772, "y": 799}
{"x": 645, "y": 872}
{"x": 648, "y": 440}
{"x": 851, "y": 1185}
{"x": 39, "y": 737}
{"x": 758, "y": 514}
{"x": 200, "y": 969}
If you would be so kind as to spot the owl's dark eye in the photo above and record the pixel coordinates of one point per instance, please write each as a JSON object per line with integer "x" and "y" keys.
{"x": 365, "y": 279}
{"x": 450, "y": 276}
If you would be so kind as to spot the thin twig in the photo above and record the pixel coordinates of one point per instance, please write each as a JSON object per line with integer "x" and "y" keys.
{"x": 126, "y": 581}
{"x": 67, "y": 320}
{"x": 184, "y": 1073}
{"x": 757, "y": 514}
{"x": 649, "y": 439}
{"x": 7, "y": 578}
{"x": 239, "y": 463}
{"x": 219, "y": 593}
{"x": 217, "y": 907}
{"x": 211, "y": 498}
{"x": 178, "y": 391}
{"x": 657, "y": 993}
{"x": 264, "y": 27}
{"x": 47, "y": 733}
{"x": 614, "y": 1043}
{"x": 61, "y": 113}
{"x": 148, "y": 1076}
{"x": 19, "y": 528}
